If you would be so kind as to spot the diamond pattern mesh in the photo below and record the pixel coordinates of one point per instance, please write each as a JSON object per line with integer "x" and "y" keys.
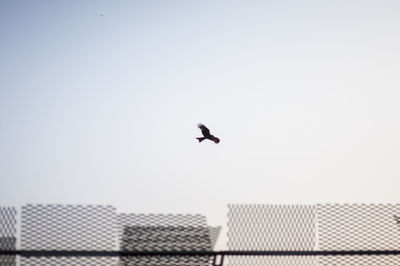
{"x": 67, "y": 227}
{"x": 158, "y": 232}
{"x": 358, "y": 227}
{"x": 250, "y": 227}
{"x": 8, "y": 229}
{"x": 271, "y": 227}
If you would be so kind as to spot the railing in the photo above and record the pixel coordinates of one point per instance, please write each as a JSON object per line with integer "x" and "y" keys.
{"x": 217, "y": 256}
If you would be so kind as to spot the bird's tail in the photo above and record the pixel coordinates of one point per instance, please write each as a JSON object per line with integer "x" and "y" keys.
{"x": 200, "y": 139}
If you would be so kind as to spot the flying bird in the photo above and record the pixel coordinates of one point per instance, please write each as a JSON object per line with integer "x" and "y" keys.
{"x": 206, "y": 134}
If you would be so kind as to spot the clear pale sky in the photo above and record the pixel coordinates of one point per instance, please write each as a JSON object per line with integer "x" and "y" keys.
{"x": 99, "y": 102}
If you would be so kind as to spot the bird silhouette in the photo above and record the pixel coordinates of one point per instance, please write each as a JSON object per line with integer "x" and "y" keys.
{"x": 206, "y": 134}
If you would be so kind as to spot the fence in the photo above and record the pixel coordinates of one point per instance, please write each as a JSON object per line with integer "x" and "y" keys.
{"x": 322, "y": 234}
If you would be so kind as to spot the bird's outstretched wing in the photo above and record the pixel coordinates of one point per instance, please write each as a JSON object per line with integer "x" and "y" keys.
{"x": 204, "y": 130}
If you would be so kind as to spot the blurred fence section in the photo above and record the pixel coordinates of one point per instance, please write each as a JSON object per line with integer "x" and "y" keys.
{"x": 261, "y": 234}
{"x": 261, "y": 227}
{"x": 358, "y": 227}
{"x": 321, "y": 227}
{"x": 8, "y": 234}
{"x": 99, "y": 235}
{"x": 159, "y": 232}
{"x": 67, "y": 227}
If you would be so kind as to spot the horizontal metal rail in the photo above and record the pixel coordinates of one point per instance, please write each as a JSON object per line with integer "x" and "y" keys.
{"x": 115, "y": 253}
{"x": 193, "y": 253}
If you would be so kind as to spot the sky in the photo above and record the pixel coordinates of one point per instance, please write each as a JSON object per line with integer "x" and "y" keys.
{"x": 99, "y": 102}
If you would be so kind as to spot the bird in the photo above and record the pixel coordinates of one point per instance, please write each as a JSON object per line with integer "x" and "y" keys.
{"x": 206, "y": 134}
